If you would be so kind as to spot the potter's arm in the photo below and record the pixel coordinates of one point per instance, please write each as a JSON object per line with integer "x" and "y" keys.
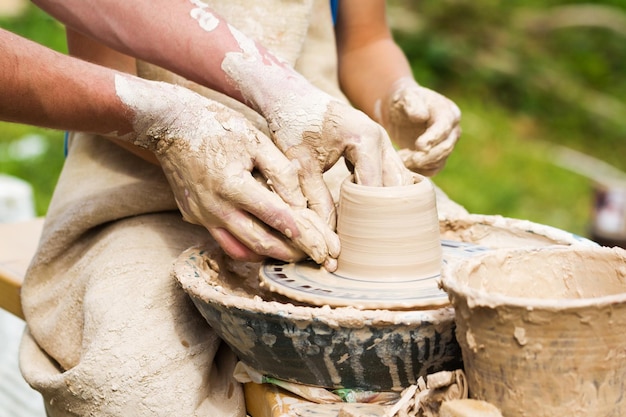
{"x": 188, "y": 38}
{"x": 175, "y": 35}
{"x": 44, "y": 88}
{"x": 363, "y": 37}
{"x": 421, "y": 122}
{"x": 210, "y": 174}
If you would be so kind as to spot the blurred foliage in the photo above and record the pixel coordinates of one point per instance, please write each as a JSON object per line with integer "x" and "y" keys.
{"x": 33, "y": 154}
{"x": 528, "y": 76}
{"x": 37, "y": 26}
{"x": 559, "y": 62}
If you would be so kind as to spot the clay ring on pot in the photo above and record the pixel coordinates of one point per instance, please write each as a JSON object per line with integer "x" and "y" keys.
{"x": 309, "y": 283}
{"x": 461, "y": 237}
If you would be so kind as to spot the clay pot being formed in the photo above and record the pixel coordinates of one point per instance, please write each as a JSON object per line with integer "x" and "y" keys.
{"x": 542, "y": 330}
{"x": 389, "y": 232}
{"x": 391, "y": 253}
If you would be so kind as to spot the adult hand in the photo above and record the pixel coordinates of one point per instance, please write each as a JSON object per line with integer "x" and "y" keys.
{"x": 208, "y": 153}
{"x": 422, "y": 123}
{"x": 315, "y": 130}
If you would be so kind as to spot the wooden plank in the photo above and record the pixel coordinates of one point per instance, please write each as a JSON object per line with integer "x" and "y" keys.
{"x": 18, "y": 243}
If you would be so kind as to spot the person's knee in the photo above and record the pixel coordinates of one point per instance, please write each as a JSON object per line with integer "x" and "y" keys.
{"x": 158, "y": 383}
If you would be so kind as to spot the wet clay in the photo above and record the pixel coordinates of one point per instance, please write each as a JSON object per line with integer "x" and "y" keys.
{"x": 542, "y": 330}
{"x": 499, "y": 232}
{"x": 388, "y": 232}
{"x": 391, "y": 254}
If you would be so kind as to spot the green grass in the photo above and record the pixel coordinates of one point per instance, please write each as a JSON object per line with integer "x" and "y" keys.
{"x": 41, "y": 170}
{"x": 503, "y": 165}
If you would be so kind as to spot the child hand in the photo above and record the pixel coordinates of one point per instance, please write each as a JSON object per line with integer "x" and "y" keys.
{"x": 422, "y": 123}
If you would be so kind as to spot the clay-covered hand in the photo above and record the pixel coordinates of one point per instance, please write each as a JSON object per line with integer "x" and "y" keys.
{"x": 209, "y": 154}
{"x": 422, "y": 123}
{"x": 309, "y": 126}
{"x": 315, "y": 129}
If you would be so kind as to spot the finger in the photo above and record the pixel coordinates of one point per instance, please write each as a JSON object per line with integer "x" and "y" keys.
{"x": 446, "y": 122}
{"x": 319, "y": 198}
{"x": 433, "y": 135}
{"x": 414, "y": 106}
{"x": 332, "y": 240}
{"x": 314, "y": 188}
{"x": 395, "y": 173}
{"x": 359, "y": 139}
{"x": 368, "y": 160}
{"x": 280, "y": 171}
{"x": 331, "y": 264}
{"x": 233, "y": 247}
{"x": 421, "y": 163}
{"x": 368, "y": 171}
{"x": 242, "y": 233}
{"x": 313, "y": 238}
{"x": 429, "y": 163}
{"x": 435, "y": 158}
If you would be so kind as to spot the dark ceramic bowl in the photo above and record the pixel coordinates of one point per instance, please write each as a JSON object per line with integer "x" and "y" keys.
{"x": 334, "y": 348}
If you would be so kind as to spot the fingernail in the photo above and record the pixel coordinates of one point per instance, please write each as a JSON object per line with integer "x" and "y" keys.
{"x": 330, "y": 264}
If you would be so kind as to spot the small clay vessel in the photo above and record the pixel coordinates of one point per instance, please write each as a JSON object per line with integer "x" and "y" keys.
{"x": 389, "y": 233}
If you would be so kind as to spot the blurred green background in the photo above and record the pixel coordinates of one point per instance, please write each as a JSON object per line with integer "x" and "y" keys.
{"x": 32, "y": 154}
{"x": 531, "y": 78}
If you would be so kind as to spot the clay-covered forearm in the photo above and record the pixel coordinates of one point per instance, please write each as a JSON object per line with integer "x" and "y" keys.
{"x": 45, "y": 88}
{"x": 49, "y": 89}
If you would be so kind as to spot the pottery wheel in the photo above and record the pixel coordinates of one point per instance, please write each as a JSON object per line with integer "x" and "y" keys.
{"x": 309, "y": 283}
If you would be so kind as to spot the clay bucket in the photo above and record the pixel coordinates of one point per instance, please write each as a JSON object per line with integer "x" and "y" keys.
{"x": 542, "y": 331}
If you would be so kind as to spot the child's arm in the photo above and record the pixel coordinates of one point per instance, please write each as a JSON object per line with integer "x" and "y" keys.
{"x": 377, "y": 78}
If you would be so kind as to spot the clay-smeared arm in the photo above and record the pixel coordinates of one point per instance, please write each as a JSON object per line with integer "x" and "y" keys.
{"x": 188, "y": 38}
{"x": 207, "y": 151}
{"x": 376, "y": 77}
{"x": 182, "y": 36}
